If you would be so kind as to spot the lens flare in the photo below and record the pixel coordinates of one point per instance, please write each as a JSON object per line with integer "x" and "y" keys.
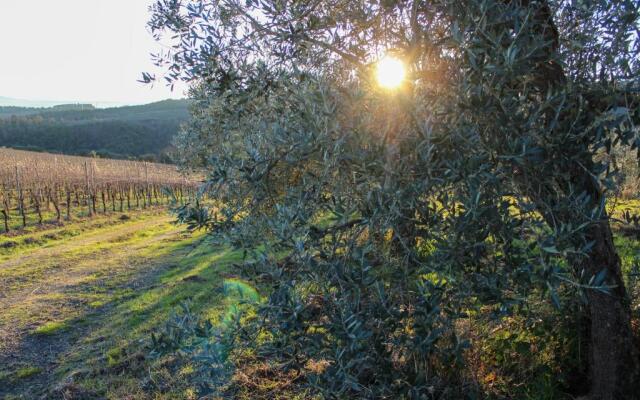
{"x": 390, "y": 72}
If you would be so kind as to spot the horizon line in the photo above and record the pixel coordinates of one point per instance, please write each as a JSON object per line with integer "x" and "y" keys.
{"x": 42, "y": 103}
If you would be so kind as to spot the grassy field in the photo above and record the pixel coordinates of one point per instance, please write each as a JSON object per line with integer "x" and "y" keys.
{"x": 79, "y": 302}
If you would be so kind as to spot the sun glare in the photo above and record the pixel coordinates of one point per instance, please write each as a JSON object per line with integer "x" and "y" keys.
{"x": 390, "y": 72}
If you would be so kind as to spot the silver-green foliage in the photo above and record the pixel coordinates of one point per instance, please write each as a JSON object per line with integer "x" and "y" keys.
{"x": 385, "y": 218}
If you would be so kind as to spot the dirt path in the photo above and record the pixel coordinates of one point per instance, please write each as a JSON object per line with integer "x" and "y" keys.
{"x": 50, "y": 297}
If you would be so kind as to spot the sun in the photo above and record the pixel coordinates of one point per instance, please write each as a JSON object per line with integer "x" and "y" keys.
{"x": 390, "y": 72}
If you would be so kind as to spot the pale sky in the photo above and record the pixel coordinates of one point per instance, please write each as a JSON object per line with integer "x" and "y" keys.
{"x": 78, "y": 50}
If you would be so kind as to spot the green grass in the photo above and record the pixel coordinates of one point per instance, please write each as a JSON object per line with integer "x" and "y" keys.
{"x": 114, "y": 356}
{"x": 27, "y": 372}
{"x": 22, "y": 373}
{"x": 77, "y": 214}
{"x": 51, "y": 328}
{"x": 71, "y": 293}
{"x": 20, "y": 241}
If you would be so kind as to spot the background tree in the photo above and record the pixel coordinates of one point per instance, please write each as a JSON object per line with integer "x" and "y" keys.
{"x": 476, "y": 186}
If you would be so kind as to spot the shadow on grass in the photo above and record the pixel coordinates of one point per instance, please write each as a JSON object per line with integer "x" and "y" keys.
{"x": 101, "y": 314}
{"x": 112, "y": 356}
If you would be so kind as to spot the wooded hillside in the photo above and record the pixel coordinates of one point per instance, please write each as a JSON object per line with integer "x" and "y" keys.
{"x": 141, "y": 132}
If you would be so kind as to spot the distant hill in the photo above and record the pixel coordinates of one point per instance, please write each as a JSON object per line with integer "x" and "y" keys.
{"x": 11, "y": 102}
{"x": 122, "y": 132}
{"x": 8, "y": 111}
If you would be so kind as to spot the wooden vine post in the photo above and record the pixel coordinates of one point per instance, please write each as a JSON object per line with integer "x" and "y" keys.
{"x": 88, "y": 190}
{"x": 146, "y": 178}
{"x": 20, "y": 199}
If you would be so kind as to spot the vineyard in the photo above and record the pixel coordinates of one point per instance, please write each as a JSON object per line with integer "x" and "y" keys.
{"x": 41, "y": 187}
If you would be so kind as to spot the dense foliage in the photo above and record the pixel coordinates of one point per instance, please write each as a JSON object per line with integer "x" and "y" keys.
{"x": 394, "y": 227}
{"x": 124, "y": 132}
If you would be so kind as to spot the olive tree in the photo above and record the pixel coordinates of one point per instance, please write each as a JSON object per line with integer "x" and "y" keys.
{"x": 384, "y": 217}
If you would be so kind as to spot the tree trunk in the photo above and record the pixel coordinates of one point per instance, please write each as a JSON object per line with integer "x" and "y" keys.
{"x": 614, "y": 364}
{"x": 68, "y": 190}
{"x": 613, "y": 353}
{"x": 54, "y": 199}
{"x": 5, "y": 217}
{"x": 35, "y": 196}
